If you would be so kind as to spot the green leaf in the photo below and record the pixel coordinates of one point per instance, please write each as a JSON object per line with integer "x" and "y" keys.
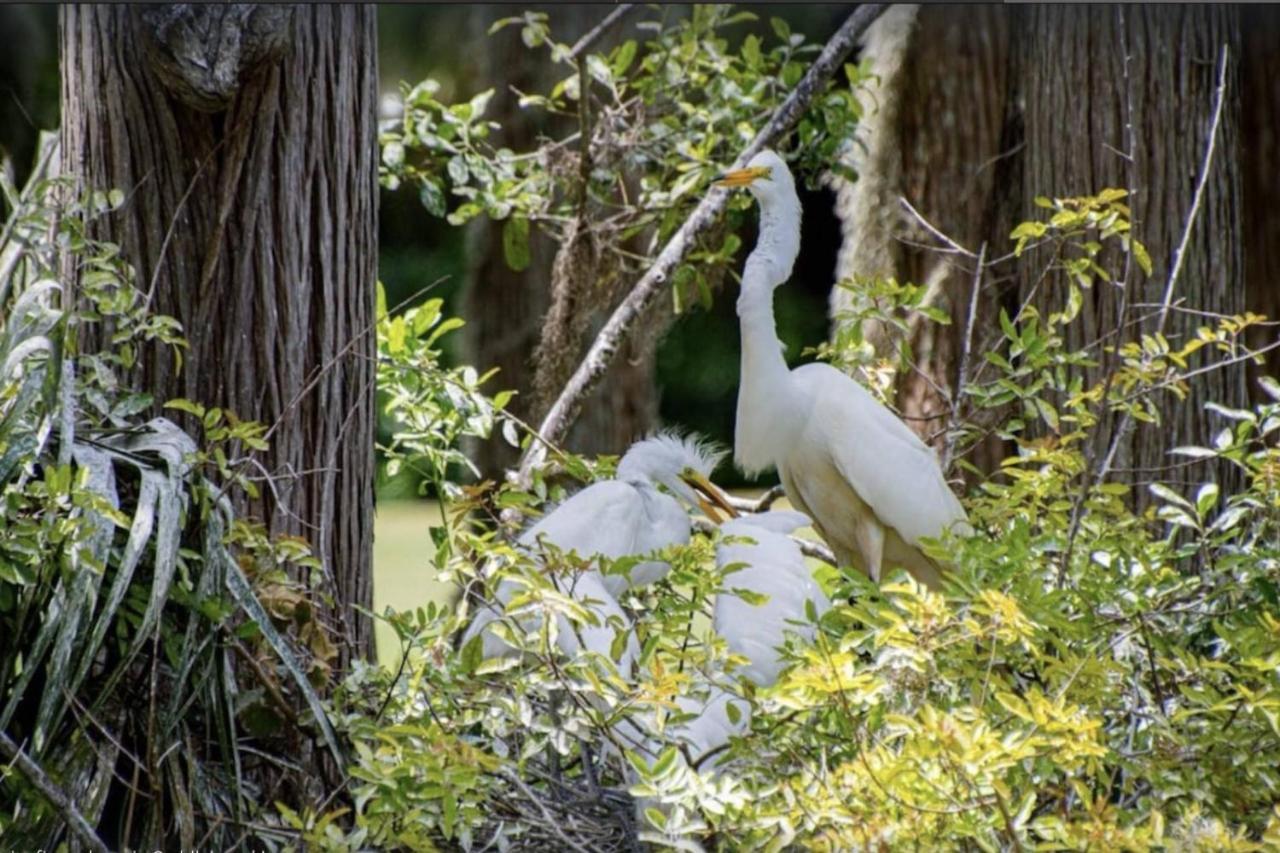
{"x": 480, "y": 102}
{"x": 622, "y": 57}
{"x": 515, "y": 243}
{"x": 1140, "y": 255}
{"x": 665, "y": 763}
{"x": 1206, "y": 497}
{"x": 432, "y": 197}
{"x": 1167, "y": 494}
{"x": 473, "y": 653}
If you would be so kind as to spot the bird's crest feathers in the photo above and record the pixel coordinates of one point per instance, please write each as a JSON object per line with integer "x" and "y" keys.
{"x": 663, "y": 456}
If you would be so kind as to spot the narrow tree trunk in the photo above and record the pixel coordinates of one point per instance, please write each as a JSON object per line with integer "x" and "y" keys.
{"x": 931, "y": 133}
{"x": 949, "y": 134}
{"x": 244, "y": 139}
{"x": 504, "y": 307}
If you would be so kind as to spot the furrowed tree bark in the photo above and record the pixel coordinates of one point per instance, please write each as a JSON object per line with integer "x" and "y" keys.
{"x": 950, "y": 136}
{"x": 1073, "y": 98}
{"x": 930, "y": 133}
{"x": 1260, "y": 149}
{"x": 620, "y": 324}
{"x": 244, "y": 139}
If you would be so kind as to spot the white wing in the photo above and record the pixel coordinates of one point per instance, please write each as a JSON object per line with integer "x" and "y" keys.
{"x": 774, "y": 566}
{"x": 604, "y": 519}
{"x": 712, "y": 727}
{"x": 887, "y": 464}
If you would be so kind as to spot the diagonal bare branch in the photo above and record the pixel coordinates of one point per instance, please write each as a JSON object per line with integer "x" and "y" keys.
{"x": 604, "y": 349}
{"x": 76, "y": 825}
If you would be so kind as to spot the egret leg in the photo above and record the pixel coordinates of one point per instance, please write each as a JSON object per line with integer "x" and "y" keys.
{"x": 870, "y": 537}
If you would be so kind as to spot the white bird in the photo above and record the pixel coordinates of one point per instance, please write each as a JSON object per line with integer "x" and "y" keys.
{"x": 770, "y": 563}
{"x": 764, "y": 560}
{"x": 624, "y": 517}
{"x": 872, "y": 487}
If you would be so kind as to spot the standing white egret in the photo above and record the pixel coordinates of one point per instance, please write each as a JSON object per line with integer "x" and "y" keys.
{"x": 873, "y": 488}
{"x": 623, "y": 517}
{"x": 770, "y": 564}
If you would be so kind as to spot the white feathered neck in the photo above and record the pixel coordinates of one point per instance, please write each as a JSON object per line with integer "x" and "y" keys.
{"x": 764, "y": 408}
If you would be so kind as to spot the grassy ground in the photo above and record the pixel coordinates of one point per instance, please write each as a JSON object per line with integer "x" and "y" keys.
{"x": 403, "y": 577}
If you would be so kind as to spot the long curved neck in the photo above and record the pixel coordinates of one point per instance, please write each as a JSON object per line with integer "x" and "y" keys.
{"x": 765, "y": 383}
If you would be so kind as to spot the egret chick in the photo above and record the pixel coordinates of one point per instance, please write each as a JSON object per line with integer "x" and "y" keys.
{"x": 623, "y": 517}
{"x": 770, "y": 564}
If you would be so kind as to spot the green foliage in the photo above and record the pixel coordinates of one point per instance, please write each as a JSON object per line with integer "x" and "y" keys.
{"x": 1092, "y": 676}
{"x": 672, "y": 109}
{"x": 433, "y": 407}
{"x": 126, "y": 584}
{"x": 887, "y": 304}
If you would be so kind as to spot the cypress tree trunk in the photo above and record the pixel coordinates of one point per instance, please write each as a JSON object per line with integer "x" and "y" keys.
{"x": 998, "y": 106}
{"x": 244, "y": 139}
{"x": 1076, "y": 95}
{"x": 1260, "y": 149}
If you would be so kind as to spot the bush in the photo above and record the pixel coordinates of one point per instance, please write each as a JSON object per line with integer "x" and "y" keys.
{"x": 1092, "y": 676}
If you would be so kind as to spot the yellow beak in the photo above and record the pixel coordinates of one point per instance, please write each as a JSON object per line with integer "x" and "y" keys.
{"x": 741, "y": 177}
{"x": 710, "y": 496}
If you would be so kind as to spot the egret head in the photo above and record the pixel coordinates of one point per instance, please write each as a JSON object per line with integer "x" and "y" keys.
{"x": 770, "y": 181}
{"x": 682, "y": 464}
{"x": 766, "y": 176}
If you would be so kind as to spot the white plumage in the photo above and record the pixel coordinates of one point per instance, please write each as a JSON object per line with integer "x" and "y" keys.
{"x": 873, "y": 488}
{"x": 770, "y": 564}
{"x": 624, "y": 517}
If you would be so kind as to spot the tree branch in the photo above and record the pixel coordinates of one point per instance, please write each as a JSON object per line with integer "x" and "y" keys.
{"x": 56, "y": 797}
{"x": 1205, "y": 167}
{"x": 962, "y": 375}
{"x": 589, "y": 39}
{"x": 605, "y": 347}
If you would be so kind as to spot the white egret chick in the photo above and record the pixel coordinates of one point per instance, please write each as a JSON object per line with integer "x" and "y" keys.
{"x": 872, "y": 487}
{"x": 772, "y": 565}
{"x": 623, "y": 517}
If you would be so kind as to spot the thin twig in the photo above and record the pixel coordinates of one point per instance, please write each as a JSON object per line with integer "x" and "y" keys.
{"x": 327, "y": 366}
{"x": 1205, "y": 168}
{"x": 760, "y": 504}
{"x": 962, "y": 376}
{"x": 1099, "y": 474}
{"x": 928, "y": 226}
{"x": 55, "y": 796}
{"x": 589, "y": 39}
{"x": 173, "y": 223}
{"x": 604, "y": 348}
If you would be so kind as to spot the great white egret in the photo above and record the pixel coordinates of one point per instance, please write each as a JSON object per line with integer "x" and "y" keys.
{"x": 623, "y": 517}
{"x": 767, "y": 562}
{"x": 872, "y": 487}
